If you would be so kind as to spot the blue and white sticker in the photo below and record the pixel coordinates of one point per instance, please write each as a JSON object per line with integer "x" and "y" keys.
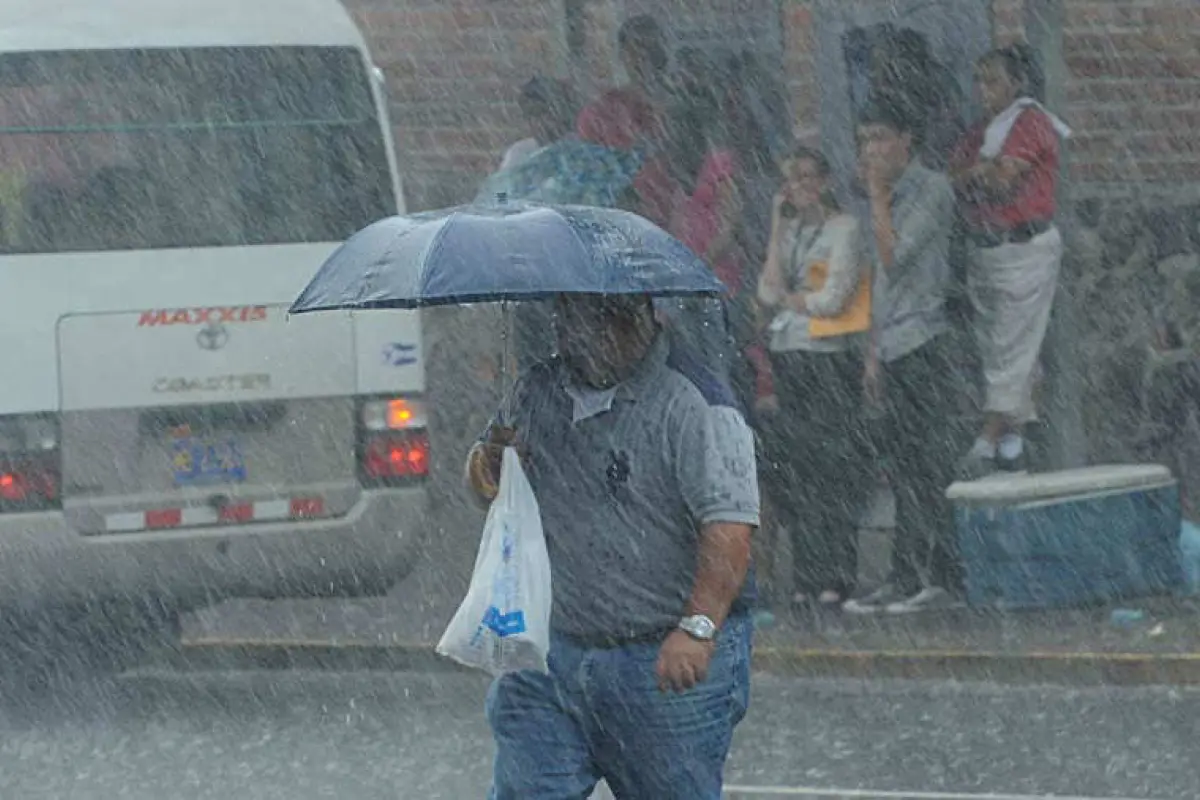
{"x": 400, "y": 354}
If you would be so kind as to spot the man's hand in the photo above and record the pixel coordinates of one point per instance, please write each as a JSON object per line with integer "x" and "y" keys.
{"x": 798, "y": 302}
{"x": 778, "y": 202}
{"x": 875, "y": 176}
{"x": 484, "y": 460}
{"x": 879, "y": 186}
{"x": 683, "y": 662}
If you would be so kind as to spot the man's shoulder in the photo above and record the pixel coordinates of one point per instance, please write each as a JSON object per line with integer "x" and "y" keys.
{"x": 692, "y": 379}
{"x": 931, "y": 181}
{"x": 1033, "y": 124}
{"x": 925, "y": 174}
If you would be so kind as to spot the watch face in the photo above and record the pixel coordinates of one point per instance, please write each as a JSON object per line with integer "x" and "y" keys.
{"x": 699, "y": 626}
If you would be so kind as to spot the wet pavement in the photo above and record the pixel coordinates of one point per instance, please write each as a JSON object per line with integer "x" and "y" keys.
{"x": 158, "y": 733}
{"x": 991, "y": 644}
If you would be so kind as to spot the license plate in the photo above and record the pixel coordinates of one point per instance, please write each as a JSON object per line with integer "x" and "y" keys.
{"x": 197, "y": 461}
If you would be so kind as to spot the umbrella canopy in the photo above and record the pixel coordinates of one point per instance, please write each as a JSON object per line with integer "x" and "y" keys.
{"x": 508, "y": 251}
{"x": 567, "y": 172}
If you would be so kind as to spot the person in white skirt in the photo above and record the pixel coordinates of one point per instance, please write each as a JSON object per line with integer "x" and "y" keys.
{"x": 1005, "y": 172}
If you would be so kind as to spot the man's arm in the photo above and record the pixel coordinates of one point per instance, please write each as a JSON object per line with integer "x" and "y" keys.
{"x": 881, "y": 227}
{"x": 998, "y": 178}
{"x": 932, "y": 216}
{"x": 845, "y": 271}
{"x": 716, "y": 469}
{"x": 721, "y": 567}
{"x": 714, "y": 462}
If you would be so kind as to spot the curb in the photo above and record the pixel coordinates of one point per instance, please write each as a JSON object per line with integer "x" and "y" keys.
{"x": 1074, "y": 669}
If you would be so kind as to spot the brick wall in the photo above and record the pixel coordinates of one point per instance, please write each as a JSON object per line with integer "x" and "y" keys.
{"x": 1133, "y": 77}
{"x": 453, "y": 68}
{"x": 799, "y": 61}
{"x": 1134, "y": 92}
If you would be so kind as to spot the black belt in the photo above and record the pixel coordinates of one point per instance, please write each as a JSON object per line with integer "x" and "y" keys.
{"x": 1020, "y": 234}
{"x": 617, "y": 641}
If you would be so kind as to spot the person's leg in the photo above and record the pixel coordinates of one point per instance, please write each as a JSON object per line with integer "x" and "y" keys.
{"x": 922, "y": 387}
{"x": 984, "y": 300}
{"x": 658, "y": 745}
{"x": 854, "y": 468}
{"x": 882, "y": 446}
{"x": 787, "y": 446}
{"x": 1021, "y": 281}
{"x": 543, "y": 748}
{"x": 808, "y": 415}
{"x": 833, "y": 469}
{"x": 896, "y": 438}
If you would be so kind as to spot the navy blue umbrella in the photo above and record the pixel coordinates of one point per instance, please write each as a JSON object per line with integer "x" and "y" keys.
{"x": 507, "y": 251}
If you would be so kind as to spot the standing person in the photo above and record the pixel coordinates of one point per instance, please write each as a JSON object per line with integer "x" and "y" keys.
{"x": 634, "y": 116}
{"x": 909, "y": 377}
{"x": 711, "y": 219}
{"x": 549, "y": 109}
{"x": 815, "y": 447}
{"x": 904, "y": 71}
{"x": 1006, "y": 174}
{"x": 645, "y": 478}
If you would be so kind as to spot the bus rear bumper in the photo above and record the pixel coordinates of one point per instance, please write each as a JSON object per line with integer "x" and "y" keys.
{"x": 45, "y": 563}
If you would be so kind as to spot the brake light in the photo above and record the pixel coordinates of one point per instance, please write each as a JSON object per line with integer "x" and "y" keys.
{"x": 393, "y": 441}
{"x": 30, "y": 468}
{"x": 13, "y": 487}
{"x": 397, "y": 456}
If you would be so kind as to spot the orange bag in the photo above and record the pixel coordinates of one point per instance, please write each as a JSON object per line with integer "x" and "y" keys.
{"x": 855, "y": 318}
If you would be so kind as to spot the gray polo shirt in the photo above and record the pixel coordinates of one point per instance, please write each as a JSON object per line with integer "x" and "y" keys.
{"x": 909, "y": 306}
{"x": 624, "y": 487}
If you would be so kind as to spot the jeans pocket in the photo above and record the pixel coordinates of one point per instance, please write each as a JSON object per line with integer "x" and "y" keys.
{"x": 740, "y": 638}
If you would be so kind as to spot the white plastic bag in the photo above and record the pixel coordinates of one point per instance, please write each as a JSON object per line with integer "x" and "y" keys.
{"x": 503, "y": 624}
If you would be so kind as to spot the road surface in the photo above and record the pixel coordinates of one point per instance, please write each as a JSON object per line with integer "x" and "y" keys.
{"x": 159, "y": 733}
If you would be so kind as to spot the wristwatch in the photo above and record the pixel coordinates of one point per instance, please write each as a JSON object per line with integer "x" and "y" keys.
{"x": 699, "y": 627}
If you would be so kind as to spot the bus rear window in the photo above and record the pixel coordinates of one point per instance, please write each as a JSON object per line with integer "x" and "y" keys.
{"x": 207, "y": 147}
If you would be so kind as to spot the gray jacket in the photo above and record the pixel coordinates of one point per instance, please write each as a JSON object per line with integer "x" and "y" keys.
{"x": 909, "y": 303}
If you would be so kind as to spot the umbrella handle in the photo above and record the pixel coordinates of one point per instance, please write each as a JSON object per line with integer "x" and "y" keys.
{"x": 505, "y": 335}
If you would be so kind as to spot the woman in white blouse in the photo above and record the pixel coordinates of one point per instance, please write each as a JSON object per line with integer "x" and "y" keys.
{"x": 814, "y": 447}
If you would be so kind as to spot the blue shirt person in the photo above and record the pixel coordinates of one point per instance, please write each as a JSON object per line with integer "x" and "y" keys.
{"x": 645, "y": 476}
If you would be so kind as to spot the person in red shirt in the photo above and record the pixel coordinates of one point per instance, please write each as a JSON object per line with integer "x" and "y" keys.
{"x": 1006, "y": 173}
{"x": 634, "y": 117}
{"x": 710, "y": 218}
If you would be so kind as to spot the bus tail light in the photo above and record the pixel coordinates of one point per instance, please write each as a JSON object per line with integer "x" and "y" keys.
{"x": 30, "y": 463}
{"x": 396, "y": 456}
{"x": 393, "y": 447}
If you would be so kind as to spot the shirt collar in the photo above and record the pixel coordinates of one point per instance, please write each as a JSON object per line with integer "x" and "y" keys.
{"x": 647, "y": 372}
{"x": 909, "y": 179}
{"x": 589, "y": 402}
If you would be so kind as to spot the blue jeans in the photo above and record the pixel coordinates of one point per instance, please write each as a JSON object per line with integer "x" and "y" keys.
{"x": 599, "y": 714}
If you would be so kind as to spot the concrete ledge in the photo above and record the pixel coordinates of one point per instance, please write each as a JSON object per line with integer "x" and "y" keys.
{"x": 1075, "y": 669}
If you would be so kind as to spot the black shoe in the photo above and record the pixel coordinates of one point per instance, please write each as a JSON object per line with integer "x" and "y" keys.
{"x": 1012, "y": 465}
{"x": 973, "y": 467}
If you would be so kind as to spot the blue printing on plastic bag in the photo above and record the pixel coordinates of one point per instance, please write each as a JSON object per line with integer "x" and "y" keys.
{"x": 512, "y": 623}
{"x": 503, "y": 625}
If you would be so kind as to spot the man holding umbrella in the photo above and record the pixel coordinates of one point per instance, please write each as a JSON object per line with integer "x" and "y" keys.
{"x": 645, "y": 478}
{"x": 645, "y": 475}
